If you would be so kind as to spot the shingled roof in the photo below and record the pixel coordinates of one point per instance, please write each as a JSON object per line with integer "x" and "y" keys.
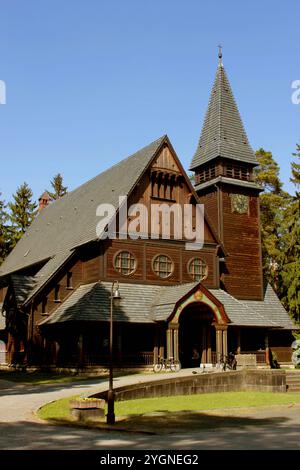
{"x": 142, "y": 303}
{"x": 71, "y": 221}
{"x": 22, "y": 286}
{"x": 223, "y": 133}
{"x": 91, "y": 302}
{"x": 264, "y": 313}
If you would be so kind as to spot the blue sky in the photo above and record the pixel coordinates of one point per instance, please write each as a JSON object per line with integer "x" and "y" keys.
{"x": 90, "y": 82}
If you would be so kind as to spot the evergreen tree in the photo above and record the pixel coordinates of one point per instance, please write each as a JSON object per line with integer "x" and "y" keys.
{"x": 22, "y": 211}
{"x": 296, "y": 171}
{"x": 291, "y": 238}
{"x": 273, "y": 201}
{"x": 59, "y": 189}
{"x": 4, "y": 232}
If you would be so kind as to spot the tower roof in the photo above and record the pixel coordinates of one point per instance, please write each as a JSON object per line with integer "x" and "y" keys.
{"x": 223, "y": 133}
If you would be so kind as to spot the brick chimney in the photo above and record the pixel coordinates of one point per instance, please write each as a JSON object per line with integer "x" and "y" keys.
{"x": 44, "y": 201}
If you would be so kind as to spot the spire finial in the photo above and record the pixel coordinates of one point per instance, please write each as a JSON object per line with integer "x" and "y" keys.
{"x": 220, "y": 55}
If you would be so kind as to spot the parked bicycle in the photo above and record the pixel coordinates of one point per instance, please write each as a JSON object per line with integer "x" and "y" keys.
{"x": 228, "y": 362}
{"x": 167, "y": 364}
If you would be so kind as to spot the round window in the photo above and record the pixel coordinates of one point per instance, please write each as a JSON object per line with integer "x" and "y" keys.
{"x": 197, "y": 269}
{"x": 125, "y": 263}
{"x": 163, "y": 266}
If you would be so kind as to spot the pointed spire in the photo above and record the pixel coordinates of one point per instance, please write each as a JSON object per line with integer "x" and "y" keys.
{"x": 223, "y": 133}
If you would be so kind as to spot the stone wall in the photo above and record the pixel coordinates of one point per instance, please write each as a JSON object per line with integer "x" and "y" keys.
{"x": 233, "y": 381}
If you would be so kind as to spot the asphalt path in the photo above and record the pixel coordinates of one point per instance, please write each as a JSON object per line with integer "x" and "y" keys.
{"x": 264, "y": 428}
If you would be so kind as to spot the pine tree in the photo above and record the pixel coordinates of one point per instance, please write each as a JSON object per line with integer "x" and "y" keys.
{"x": 295, "y": 178}
{"x": 273, "y": 201}
{"x": 58, "y": 187}
{"x": 291, "y": 238}
{"x": 22, "y": 211}
{"x": 4, "y": 231}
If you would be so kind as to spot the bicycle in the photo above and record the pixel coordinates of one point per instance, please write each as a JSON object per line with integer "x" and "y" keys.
{"x": 167, "y": 364}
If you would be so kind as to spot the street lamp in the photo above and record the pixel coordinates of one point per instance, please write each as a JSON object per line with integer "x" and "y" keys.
{"x": 114, "y": 298}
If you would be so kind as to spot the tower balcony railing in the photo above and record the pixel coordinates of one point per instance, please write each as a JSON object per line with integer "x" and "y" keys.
{"x": 230, "y": 171}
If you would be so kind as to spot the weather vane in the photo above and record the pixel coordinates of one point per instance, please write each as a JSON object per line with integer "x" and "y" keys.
{"x": 220, "y": 55}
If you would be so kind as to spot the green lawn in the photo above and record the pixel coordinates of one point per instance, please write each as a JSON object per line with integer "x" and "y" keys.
{"x": 205, "y": 401}
{"x": 210, "y": 401}
{"x": 58, "y": 409}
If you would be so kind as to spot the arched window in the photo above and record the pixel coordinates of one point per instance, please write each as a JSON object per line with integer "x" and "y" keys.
{"x": 197, "y": 269}
{"x": 163, "y": 266}
{"x": 125, "y": 263}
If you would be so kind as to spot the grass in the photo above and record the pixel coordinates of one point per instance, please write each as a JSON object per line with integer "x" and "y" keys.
{"x": 180, "y": 413}
{"x": 57, "y": 410}
{"x": 205, "y": 401}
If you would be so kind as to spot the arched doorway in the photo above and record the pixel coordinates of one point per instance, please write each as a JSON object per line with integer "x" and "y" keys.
{"x": 198, "y": 318}
{"x": 196, "y": 336}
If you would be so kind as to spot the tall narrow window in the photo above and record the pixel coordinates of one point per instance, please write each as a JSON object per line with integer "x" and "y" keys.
{"x": 69, "y": 280}
{"x": 56, "y": 293}
{"x": 171, "y": 188}
{"x": 160, "y": 187}
{"x": 45, "y": 305}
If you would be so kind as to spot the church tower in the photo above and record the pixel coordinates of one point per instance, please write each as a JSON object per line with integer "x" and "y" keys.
{"x": 223, "y": 164}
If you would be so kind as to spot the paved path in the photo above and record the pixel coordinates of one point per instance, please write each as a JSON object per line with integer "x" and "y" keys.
{"x": 278, "y": 427}
{"x": 19, "y": 401}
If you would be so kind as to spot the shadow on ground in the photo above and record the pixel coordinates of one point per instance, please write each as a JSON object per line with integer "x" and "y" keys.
{"x": 163, "y": 422}
{"x": 166, "y": 422}
{"x": 204, "y": 432}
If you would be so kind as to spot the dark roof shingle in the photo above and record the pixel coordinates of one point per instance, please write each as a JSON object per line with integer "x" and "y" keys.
{"x": 142, "y": 303}
{"x": 71, "y": 221}
{"x": 223, "y": 133}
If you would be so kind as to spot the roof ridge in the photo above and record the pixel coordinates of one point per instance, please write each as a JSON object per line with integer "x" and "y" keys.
{"x": 59, "y": 220}
{"x": 154, "y": 142}
{"x": 69, "y": 193}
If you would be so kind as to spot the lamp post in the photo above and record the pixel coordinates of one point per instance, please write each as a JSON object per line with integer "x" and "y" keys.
{"x": 114, "y": 297}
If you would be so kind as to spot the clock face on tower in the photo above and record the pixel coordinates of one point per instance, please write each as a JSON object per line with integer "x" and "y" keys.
{"x": 239, "y": 203}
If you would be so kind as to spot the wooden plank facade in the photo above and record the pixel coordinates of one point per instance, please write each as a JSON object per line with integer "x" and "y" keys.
{"x": 47, "y": 326}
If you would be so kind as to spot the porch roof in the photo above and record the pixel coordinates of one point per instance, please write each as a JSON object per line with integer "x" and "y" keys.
{"x": 262, "y": 313}
{"x": 140, "y": 303}
{"x": 91, "y": 302}
{"x": 144, "y": 303}
{"x": 271, "y": 308}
